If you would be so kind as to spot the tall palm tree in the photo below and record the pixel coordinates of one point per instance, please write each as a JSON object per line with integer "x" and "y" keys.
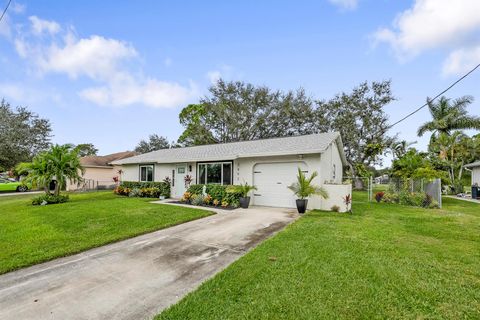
{"x": 60, "y": 163}
{"x": 449, "y": 115}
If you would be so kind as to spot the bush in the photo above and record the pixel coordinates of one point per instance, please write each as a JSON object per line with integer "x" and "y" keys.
{"x": 135, "y": 192}
{"x": 198, "y": 200}
{"x": 411, "y": 199}
{"x": 390, "y": 197}
{"x": 150, "y": 189}
{"x": 49, "y": 199}
{"x": 379, "y": 196}
{"x": 335, "y": 208}
{"x": 218, "y": 192}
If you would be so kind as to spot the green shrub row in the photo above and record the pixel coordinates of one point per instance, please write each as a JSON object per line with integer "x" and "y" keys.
{"x": 49, "y": 199}
{"x": 161, "y": 188}
{"x": 406, "y": 198}
{"x": 217, "y": 192}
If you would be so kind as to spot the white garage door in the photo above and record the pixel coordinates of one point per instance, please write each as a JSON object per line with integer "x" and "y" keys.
{"x": 272, "y": 180}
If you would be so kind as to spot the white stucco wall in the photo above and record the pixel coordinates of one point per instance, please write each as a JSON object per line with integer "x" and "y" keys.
{"x": 336, "y": 196}
{"x": 476, "y": 176}
{"x": 331, "y": 169}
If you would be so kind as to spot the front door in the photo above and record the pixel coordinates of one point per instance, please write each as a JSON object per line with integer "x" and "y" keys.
{"x": 180, "y": 172}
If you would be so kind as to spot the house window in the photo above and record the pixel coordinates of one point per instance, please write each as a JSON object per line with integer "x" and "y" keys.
{"x": 146, "y": 173}
{"x": 334, "y": 171}
{"x": 215, "y": 173}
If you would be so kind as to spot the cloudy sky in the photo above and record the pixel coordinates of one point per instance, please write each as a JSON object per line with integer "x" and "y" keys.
{"x": 112, "y": 72}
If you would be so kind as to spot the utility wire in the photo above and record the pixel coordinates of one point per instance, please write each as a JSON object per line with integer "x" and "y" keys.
{"x": 433, "y": 99}
{"x": 5, "y": 11}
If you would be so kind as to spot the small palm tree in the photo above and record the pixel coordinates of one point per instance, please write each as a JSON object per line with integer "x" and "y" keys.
{"x": 448, "y": 115}
{"x": 304, "y": 188}
{"x": 242, "y": 189}
{"x": 60, "y": 163}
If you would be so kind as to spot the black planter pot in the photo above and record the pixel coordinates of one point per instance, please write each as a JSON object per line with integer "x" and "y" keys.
{"x": 302, "y": 205}
{"x": 244, "y": 202}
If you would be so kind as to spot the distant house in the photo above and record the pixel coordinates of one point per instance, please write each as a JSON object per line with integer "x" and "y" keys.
{"x": 475, "y": 167}
{"x": 99, "y": 172}
{"x": 269, "y": 164}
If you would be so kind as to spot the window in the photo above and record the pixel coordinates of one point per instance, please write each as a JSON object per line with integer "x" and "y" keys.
{"x": 215, "y": 173}
{"x": 146, "y": 173}
{"x": 181, "y": 170}
{"x": 334, "y": 171}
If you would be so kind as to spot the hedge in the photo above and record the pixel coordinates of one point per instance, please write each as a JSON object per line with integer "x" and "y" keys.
{"x": 164, "y": 187}
{"x": 216, "y": 191}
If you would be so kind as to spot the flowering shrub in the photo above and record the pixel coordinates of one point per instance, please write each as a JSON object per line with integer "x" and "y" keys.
{"x": 216, "y": 202}
{"x": 186, "y": 197}
{"x": 379, "y": 195}
{"x": 151, "y": 192}
{"x": 413, "y": 199}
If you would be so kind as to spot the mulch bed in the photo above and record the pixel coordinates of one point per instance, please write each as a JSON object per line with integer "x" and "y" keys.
{"x": 205, "y": 206}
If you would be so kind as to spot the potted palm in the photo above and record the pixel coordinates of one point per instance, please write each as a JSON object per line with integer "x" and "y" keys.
{"x": 304, "y": 188}
{"x": 243, "y": 190}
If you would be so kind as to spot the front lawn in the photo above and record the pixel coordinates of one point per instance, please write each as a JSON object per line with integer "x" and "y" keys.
{"x": 384, "y": 261}
{"x": 32, "y": 234}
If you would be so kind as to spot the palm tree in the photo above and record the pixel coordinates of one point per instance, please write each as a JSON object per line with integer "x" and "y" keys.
{"x": 400, "y": 148}
{"x": 60, "y": 163}
{"x": 449, "y": 115}
{"x": 304, "y": 188}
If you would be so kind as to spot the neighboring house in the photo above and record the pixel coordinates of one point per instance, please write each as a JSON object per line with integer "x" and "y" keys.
{"x": 475, "y": 168}
{"x": 269, "y": 164}
{"x": 99, "y": 172}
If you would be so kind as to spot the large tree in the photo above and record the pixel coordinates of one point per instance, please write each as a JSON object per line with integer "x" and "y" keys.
{"x": 360, "y": 118}
{"x": 449, "y": 115}
{"x": 23, "y": 134}
{"x": 86, "y": 149}
{"x": 154, "y": 143}
{"x": 238, "y": 111}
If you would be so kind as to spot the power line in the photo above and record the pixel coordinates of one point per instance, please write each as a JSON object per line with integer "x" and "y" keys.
{"x": 5, "y": 11}
{"x": 434, "y": 98}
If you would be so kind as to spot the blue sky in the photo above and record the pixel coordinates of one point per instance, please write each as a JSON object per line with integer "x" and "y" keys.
{"x": 113, "y": 72}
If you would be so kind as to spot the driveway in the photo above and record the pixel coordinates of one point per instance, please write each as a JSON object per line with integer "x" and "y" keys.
{"x": 13, "y": 193}
{"x": 139, "y": 277}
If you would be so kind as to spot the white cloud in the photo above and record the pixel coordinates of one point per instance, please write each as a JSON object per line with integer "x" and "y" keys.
{"x": 40, "y": 26}
{"x": 461, "y": 61}
{"x": 112, "y": 65}
{"x": 213, "y": 76}
{"x": 18, "y": 7}
{"x": 430, "y": 24}
{"x": 345, "y": 4}
{"x": 5, "y": 29}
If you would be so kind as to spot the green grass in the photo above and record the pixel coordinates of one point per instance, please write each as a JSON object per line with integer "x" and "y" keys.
{"x": 384, "y": 261}
{"x": 32, "y": 234}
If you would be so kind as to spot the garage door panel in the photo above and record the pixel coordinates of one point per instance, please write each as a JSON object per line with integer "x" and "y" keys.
{"x": 272, "y": 181}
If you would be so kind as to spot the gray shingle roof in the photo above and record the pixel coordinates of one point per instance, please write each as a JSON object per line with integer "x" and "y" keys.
{"x": 314, "y": 143}
{"x": 473, "y": 165}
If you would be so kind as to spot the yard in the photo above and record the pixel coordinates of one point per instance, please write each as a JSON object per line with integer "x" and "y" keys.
{"x": 384, "y": 261}
{"x": 33, "y": 234}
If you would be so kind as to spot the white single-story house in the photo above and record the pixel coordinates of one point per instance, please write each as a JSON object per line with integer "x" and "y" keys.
{"x": 475, "y": 168}
{"x": 269, "y": 164}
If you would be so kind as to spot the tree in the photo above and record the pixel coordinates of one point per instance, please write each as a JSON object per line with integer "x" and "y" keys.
{"x": 23, "y": 135}
{"x": 414, "y": 164}
{"x": 154, "y": 143}
{"x": 399, "y": 148}
{"x": 86, "y": 149}
{"x": 361, "y": 121}
{"x": 447, "y": 116}
{"x": 60, "y": 163}
{"x": 238, "y": 111}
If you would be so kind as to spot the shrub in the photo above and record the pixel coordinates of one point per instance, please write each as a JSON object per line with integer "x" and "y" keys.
{"x": 198, "y": 200}
{"x": 225, "y": 204}
{"x": 186, "y": 197}
{"x": 379, "y": 196}
{"x": 207, "y": 199}
{"x": 49, "y": 199}
{"x": 390, "y": 197}
{"x": 216, "y": 202}
{"x": 163, "y": 187}
{"x": 135, "y": 192}
{"x": 218, "y": 192}
{"x": 427, "y": 201}
{"x": 335, "y": 208}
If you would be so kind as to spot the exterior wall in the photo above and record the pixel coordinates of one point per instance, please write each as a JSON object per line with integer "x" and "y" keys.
{"x": 331, "y": 165}
{"x": 102, "y": 176}
{"x": 336, "y": 195}
{"x": 476, "y": 176}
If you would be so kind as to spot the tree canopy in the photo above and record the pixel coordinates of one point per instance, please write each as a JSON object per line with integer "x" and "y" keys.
{"x": 86, "y": 149}
{"x": 154, "y": 143}
{"x": 238, "y": 111}
{"x": 23, "y": 135}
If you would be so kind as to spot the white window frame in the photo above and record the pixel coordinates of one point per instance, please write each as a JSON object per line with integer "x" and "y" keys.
{"x": 206, "y": 171}
{"x": 146, "y": 173}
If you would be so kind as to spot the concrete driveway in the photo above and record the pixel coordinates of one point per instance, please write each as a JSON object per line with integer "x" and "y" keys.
{"x": 139, "y": 277}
